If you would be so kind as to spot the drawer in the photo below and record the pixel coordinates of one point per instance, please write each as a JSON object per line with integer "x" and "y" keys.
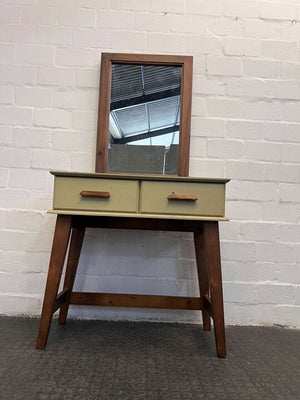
{"x": 210, "y": 198}
{"x": 123, "y": 194}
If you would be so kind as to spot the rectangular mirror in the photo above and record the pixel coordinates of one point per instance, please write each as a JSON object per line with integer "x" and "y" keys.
{"x": 144, "y": 114}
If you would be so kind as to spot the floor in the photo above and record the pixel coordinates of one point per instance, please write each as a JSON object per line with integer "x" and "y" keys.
{"x": 109, "y": 360}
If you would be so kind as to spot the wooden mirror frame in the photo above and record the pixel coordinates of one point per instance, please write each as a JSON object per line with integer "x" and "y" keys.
{"x": 107, "y": 59}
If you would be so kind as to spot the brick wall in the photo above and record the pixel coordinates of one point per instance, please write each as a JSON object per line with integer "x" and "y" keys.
{"x": 245, "y": 126}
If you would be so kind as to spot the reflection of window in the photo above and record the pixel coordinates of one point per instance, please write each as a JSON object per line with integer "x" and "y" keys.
{"x": 165, "y": 140}
{"x": 145, "y": 105}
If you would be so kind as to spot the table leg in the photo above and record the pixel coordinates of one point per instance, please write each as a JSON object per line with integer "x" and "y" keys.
{"x": 212, "y": 249}
{"x": 58, "y": 253}
{"x": 72, "y": 264}
{"x": 202, "y": 276}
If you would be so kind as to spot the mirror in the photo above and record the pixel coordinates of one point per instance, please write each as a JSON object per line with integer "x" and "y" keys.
{"x": 144, "y": 114}
{"x": 144, "y": 118}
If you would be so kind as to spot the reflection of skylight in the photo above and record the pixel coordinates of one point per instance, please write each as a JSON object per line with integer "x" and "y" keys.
{"x": 163, "y": 113}
{"x": 131, "y": 120}
{"x": 146, "y": 117}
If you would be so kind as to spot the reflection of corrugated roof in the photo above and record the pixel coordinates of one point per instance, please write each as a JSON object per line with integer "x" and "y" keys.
{"x": 136, "y": 80}
{"x": 126, "y": 82}
{"x": 145, "y": 99}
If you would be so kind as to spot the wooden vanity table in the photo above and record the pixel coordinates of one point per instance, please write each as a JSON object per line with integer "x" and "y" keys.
{"x": 138, "y": 201}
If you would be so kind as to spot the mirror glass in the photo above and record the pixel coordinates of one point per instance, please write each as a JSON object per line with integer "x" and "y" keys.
{"x": 144, "y": 118}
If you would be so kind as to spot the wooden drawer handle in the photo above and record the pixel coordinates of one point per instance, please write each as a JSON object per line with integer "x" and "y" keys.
{"x": 91, "y": 193}
{"x": 181, "y": 197}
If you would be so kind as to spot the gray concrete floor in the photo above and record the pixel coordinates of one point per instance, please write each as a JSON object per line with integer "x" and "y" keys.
{"x": 109, "y": 360}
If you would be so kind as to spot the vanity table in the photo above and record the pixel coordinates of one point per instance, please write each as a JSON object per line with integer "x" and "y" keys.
{"x": 145, "y": 201}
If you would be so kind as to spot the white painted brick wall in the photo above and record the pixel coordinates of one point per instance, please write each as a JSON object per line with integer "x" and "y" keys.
{"x": 224, "y": 66}
{"x": 245, "y": 125}
{"x": 242, "y": 47}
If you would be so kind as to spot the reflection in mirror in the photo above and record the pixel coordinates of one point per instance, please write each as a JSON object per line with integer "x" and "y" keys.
{"x": 144, "y": 120}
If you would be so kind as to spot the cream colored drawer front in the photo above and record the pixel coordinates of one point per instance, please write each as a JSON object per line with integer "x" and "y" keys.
{"x": 211, "y": 198}
{"x": 123, "y": 194}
